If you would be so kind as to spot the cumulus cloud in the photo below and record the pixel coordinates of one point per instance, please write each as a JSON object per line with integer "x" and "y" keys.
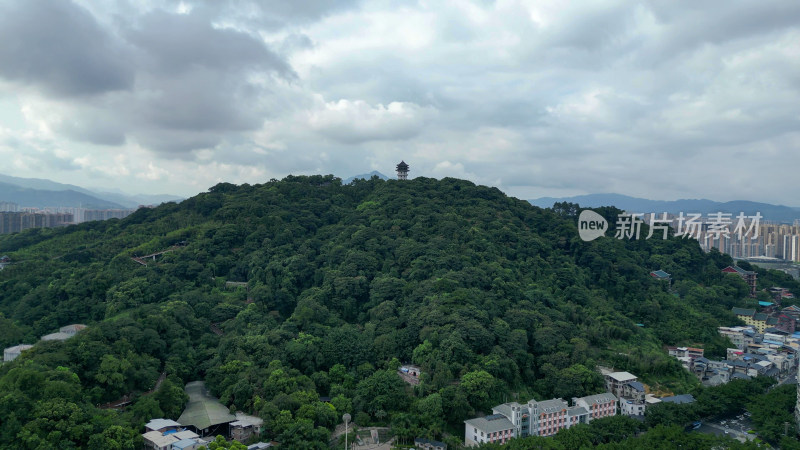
{"x": 354, "y": 122}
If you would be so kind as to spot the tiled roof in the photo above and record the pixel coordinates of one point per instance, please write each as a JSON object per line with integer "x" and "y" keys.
{"x": 737, "y": 269}
{"x": 743, "y": 311}
{"x": 622, "y": 376}
{"x": 636, "y": 385}
{"x": 577, "y": 411}
{"x": 490, "y": 424}
{"x": 553, "y": 405}
{"x": 158, "y": 424}
{"x": 599, "y": 398}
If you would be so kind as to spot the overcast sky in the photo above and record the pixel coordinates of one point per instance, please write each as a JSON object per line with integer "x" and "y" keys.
{"x": 662, "y": 99}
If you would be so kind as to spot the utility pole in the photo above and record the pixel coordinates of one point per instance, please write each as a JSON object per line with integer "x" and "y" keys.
{"x": 346, "y": 418}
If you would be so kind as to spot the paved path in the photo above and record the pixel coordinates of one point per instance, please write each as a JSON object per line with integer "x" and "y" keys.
{"x": 732, "y": 432}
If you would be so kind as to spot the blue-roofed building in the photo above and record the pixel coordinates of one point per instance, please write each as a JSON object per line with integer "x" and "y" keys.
{"x": 187, "y": 444}
{"x": 660, "y": 275}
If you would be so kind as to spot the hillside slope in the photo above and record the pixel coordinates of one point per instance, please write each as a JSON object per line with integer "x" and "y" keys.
{"x": 487, "y": 294}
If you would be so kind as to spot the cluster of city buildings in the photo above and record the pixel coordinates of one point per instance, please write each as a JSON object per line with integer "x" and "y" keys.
{"x": 13, "y": 222}
{"x": 64, "y": 333}
{"x": 773, "y": 240}
{"x": 14, "y": 219}
{"x": 770, "y": 352}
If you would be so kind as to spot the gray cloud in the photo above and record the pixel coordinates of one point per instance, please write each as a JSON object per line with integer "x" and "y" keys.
{"x": 548, "y": 98}
{"x": 59, "y": 47}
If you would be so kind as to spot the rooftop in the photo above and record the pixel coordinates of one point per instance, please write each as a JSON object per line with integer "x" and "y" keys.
{"x": 577, "y": 411}
{"x": 490, "y": 424}
{"x": 248, "y": 420}
{"x": 743, "y": 311}
{"x": 738, "y": 270}
{"x": 159, "y": 439}
{"x": 56, "y": 336}
{"x": 203, "y": 410}
{"x": 636, "y": 385}
{"x": 183, "y": 443}
{"x": 185, "y": 434}
{"x": 622, "y": 376}
{"x": 160, "y": 424}
{"x": 552, "y": 405}
{"x": 17, "y": 348}
{"x": 599, "y": 398}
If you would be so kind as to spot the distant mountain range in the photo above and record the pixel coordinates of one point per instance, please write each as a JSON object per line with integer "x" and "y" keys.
{"x": 42, "y": 193}
{"x": 366, "y": 176}
{"x": 778, "y": 213}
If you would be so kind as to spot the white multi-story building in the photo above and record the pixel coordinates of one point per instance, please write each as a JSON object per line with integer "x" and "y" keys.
{"x": 536, "y": 418}
{"x": 494, "y": 428}
{"x": 599, "y": 405}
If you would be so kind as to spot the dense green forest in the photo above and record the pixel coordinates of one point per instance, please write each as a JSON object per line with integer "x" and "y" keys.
{"x": 493, "y": 298}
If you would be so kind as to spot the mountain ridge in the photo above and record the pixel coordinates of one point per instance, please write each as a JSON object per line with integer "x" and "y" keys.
{"x": 42, "y": 188}
{"x": 769, "y": 211}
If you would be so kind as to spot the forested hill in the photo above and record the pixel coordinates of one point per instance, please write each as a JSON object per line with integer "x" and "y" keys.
{"x": 487, "y": 294}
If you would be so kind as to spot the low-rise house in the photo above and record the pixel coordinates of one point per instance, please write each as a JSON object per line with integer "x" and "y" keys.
{"x": 748, "y": 276}
{"x": 735, "y": 335}
{"x": 245, "y": 426}
{"x": 616, "y": 381}
{"x": 661, "y": 275}
{"x": 792, "y": 310}
{"x": 162, "y": 425}
{"x": 188, "y": 444}
{"x": 634, "y": 390}
{"x": 429, "y": 444}
{"x": 12, "y": 353}
{"x": 156, "y": 440}
{"x": 630, "y": 408}
{"x": 184, "y": 434}
{"x": 165, "y": 434}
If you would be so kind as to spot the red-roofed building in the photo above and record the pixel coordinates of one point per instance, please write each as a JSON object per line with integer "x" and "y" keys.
{"x": 748, "y": 276}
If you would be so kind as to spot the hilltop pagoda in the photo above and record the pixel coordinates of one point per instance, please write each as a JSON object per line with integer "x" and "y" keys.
{"x": 402, "y": 171}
